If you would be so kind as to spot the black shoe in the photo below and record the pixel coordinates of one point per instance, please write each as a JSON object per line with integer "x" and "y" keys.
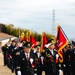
{"x": 12, "y": 71}
{"x": 4, "y": 65}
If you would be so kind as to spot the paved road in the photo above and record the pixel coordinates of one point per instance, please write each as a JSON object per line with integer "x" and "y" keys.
{"x": 4, "y": 70}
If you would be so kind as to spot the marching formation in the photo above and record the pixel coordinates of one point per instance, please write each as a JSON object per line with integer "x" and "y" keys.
{"x": 23, "y": 59}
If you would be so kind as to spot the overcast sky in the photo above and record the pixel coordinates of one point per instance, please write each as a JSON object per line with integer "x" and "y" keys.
{"x": 37, "y": 14}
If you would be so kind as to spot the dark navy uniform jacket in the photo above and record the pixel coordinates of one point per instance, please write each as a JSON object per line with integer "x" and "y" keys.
{"x": 50, "y": 66}
{"x": 25, "y": 65}
{"x": 39, "y": 64}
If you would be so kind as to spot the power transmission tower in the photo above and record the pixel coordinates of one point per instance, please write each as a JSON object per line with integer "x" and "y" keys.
{"x": 53, "y": 23}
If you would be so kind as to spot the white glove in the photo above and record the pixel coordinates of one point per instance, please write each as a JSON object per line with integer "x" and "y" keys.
{"x": 10, "y": 57}
{"x": 60, "y": 72}
{"x": 18, "y": 72}
{"x": 42, "y": 58}
{"x": 35, "y": 74}
{"x": 34, "y": 51}
{"x": 64, "y": 65}
{"x": 31, "y": 60}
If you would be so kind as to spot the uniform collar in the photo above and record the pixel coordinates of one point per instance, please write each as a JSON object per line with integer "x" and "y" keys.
{"x": 27, "y": 54}
{"x": 51, "y": 52}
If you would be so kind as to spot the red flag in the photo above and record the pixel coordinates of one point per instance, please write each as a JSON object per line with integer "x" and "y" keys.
{"x": 25, "y": 39}
{"x": 32, "y": 40}
{"x": 22, "y": 39}
{"x": 44, "y": 40}
{"x": 61, "y": 42}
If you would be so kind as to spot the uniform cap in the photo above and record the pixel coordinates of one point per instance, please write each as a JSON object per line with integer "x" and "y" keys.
{"x": 73, "y": 43}
{"x": 50, "y": 42}
{"x": 27, "y": 44}
{"x": 13, "y": 41}
{"x": 38, "y": 46}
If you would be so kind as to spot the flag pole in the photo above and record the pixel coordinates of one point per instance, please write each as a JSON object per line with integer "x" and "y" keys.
{"x": 64, "y": 33}
{"x": 42, "y": 39}
{"x": 19, "y": 33}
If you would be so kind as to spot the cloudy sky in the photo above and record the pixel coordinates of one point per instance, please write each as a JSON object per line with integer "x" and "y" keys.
{"x": 38, "y": 14}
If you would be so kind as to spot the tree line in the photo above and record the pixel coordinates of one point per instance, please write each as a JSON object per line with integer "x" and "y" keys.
{"x": 11, "y": 30}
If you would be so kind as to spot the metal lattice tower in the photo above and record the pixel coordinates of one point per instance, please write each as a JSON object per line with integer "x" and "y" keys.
{"x": 53, "y": 23}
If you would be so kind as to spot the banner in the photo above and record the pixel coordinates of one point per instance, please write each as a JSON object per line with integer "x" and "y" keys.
{"x": 44, "y": 40}
{"x": 61, "y": 42}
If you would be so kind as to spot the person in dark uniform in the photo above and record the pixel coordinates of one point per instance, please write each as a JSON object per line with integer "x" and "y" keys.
{"x": 4, "y": 50}
{"x": 11, "y": 55}
{"x": 73, "y": 58}
{"x": 49, "y": 55}
{"x": 38, "y": 60}
{"x": 66, "y": 60}
{"x": 26, "y": 61}
{"x": 17, "y": 51}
